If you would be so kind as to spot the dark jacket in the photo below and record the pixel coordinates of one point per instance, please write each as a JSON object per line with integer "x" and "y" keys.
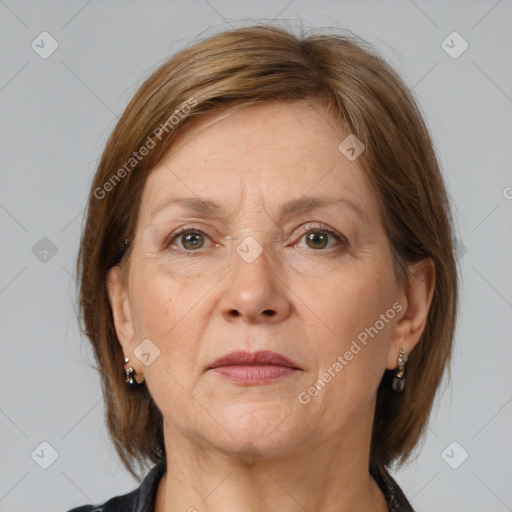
{"x": 142, "y": 499}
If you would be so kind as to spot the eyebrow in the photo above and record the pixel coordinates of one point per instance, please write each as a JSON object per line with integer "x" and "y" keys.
{"x": 205, "y": 207}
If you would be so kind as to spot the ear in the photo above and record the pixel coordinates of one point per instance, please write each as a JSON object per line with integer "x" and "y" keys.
{"x": 415, "y": 298}
{"x": 121, "y": 310}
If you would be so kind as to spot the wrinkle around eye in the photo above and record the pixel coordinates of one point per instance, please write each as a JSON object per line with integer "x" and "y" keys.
{"x": 335, "y": 239}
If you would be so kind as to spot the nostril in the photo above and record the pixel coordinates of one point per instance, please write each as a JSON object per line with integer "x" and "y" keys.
{"x": 269, "y": 312}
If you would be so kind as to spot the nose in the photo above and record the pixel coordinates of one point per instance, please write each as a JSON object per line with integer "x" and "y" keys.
{"x": 255, "y": 291}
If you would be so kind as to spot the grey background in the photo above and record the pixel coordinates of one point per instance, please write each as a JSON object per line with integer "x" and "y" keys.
{"x": 56, "y": 114}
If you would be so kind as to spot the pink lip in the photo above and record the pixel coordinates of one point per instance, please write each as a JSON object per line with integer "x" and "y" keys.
{"x": 254, "y": 368}
{"x": 262, "y": 357}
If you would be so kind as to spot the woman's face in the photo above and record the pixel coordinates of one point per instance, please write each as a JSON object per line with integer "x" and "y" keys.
{"x": 283, "y": 250}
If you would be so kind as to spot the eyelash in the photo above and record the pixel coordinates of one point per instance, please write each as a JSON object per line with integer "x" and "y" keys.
{"x": 304, "y": 230}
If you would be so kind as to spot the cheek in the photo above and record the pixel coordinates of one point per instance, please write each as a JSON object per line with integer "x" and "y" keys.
{"x": 171, "y": 313}
{"x": 161, "y": 299}
{"x": 154, "y": 305}
{"x": 161, "y": 308}
{"x": 350, "y": 348}
{"x": 351, "y": 299}
{"x": 355, "y": 317}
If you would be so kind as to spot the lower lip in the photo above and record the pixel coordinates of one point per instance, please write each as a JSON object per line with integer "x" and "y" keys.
{"x": 255, "y": 374}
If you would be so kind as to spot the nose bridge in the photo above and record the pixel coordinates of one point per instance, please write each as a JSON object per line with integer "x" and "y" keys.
{"x": 254, "y": 292}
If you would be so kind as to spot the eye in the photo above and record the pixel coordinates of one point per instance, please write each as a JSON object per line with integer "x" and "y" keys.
{"x": 191, "y": 239}
{"x": 318, "y": 237}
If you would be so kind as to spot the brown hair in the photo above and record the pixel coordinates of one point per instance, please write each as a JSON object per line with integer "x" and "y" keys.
{"x": 359, "y": 90}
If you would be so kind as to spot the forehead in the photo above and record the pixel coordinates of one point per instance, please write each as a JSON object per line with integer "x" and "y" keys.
{"x": 269, "y": 153}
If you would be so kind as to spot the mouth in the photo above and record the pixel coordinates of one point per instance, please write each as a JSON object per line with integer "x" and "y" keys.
{"x": 252, "y": 368}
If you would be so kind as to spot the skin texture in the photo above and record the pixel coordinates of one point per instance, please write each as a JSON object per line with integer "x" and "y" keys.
{"x": 306, "y": 299}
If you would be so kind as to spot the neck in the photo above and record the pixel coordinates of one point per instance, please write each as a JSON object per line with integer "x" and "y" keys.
{"x": 330, "y": 476}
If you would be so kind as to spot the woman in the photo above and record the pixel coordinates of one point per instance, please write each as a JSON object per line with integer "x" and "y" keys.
{"x": 268, "y": 250}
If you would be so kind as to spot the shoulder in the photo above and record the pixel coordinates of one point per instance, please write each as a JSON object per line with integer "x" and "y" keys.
{"x": 139, "y": 500}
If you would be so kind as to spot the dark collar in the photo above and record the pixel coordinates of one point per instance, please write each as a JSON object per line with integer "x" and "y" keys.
{"x": 143, "y": 498}
{"x": 145, "y": 501}
{"x": 397, "y": 502}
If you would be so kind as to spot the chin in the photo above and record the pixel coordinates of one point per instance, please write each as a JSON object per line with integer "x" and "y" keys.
{"x": 266, "y": 425}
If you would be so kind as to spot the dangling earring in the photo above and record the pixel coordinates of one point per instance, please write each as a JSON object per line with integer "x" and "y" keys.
{"x": 399, "y": 378}
{"x": 130, "y": 375}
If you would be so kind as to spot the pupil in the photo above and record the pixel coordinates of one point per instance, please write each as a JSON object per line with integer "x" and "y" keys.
{"x": 192, "y": 240}
{"x": 315, "y": 237}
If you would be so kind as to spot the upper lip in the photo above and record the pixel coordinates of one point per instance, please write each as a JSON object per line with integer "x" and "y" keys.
{"x": 242, "y": 357}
